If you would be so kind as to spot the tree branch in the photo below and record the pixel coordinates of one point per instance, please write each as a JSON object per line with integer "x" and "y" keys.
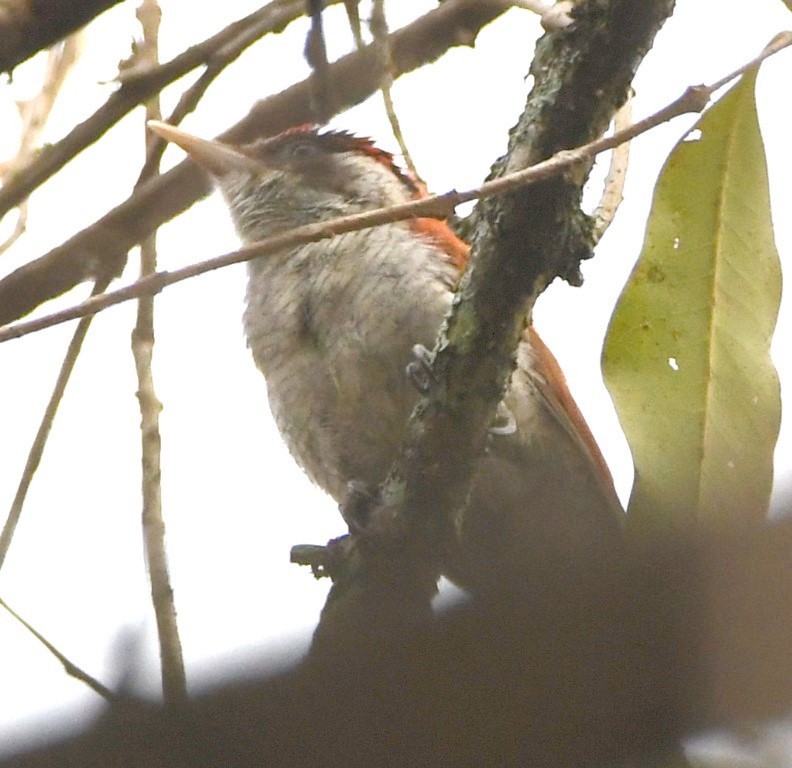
{"x": 26, "y": 27}
{"x": 69, "y": 666}
{"x": 45, "y": 426}
{"x": 34, "y": 114}
{"x": 316, "y": 55}
{"x": 101, "y": 248}
{"x": 522, "y": 241}
{"x": 141, "y": 83}
{"x": 691, "y": 635}
{"x": 174, "y": 679}
{"x": 613, "y": 188}
{"x": 379, "y": 30}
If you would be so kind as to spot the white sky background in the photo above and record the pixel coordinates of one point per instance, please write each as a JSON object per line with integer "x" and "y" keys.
{"x": 234, "y": 501}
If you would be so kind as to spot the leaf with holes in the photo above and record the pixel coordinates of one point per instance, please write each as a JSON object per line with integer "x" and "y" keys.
{"x": 687, "y": 356}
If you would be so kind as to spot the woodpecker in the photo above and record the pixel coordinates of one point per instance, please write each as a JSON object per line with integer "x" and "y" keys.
{"x": 332, "y": 325}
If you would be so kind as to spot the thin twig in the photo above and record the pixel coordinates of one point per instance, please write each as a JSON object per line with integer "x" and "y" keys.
{"x": 353, "y": 15}
{"x": 34, "y": 114}
{"x": 47, "y": 420}
{"x": 316, "y": 55}
{"x": 36, "y": 111}
{"x": 215, "y": 65}
{"x": 613, "y": 189}
{"x": 379, "y": 30}
{"x": 693, "y": 100}
{"x": 20, "y": 227}
{"x": 174, "y": 680}
{"x": 69, "y": 667}
{"x": 137, "y": 86}
{"x": 778, "y": 43}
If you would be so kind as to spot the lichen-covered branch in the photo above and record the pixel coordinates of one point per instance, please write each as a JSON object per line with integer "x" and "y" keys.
{"x": 522, "y": 241}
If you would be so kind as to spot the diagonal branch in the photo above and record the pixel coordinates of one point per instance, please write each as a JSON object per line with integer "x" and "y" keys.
{"x": 694, "y": 99}
{"x": 26, "y": 27}
{"x": 523, "y": 240}
{"x": 69, "y": 666}
{"x": 379, "y": 29}
{"x": 101, "y": 248}
{"x": 138, "y": 84}
{"x": 36, "y": 451}
{"x": 34, "y": 114}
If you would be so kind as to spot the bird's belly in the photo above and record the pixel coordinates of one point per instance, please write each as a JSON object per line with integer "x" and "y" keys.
{"x": 340, "y": 430}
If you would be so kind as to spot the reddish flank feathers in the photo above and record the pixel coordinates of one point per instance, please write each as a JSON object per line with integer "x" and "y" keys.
{"x": 554, "y": 386}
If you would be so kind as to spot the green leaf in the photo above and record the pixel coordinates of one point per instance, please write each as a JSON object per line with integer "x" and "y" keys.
{"x": 687, "y": 357}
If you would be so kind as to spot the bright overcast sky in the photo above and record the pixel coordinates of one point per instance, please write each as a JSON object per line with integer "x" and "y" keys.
{"x": 234, "y": 501}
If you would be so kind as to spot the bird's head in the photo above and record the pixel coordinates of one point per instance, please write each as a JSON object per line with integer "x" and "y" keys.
{"x": 299, "y": 176}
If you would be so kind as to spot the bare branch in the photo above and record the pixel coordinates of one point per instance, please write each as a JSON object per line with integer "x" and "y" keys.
{"x": 316, "y": 56}
{"x": 70, "y": 667}
{"x": 613, "y": 190}
{"x": 42, "y": 434}
{"x": 353, "y": 15}
{"x": 34, "y": 114}
{"x": 778, "y": 43}
{"x": 379, "y": 29}
{"x": 174, "y": 680}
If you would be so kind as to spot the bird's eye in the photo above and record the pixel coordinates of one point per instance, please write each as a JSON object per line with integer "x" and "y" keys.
{"x": 301, "y": 150}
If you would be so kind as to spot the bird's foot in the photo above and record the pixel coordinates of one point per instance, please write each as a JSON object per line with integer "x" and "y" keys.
{"x": 504, "y": 423}
{"x": 419, "y": 369}
{"x": 356, "y": 506}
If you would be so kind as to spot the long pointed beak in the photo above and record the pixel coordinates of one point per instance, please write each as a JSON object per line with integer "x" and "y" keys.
{"x": 216, "y": 157}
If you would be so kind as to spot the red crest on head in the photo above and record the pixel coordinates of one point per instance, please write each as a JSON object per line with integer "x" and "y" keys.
{"x": 343, "y": 141}
{"x": 434, "y": 230}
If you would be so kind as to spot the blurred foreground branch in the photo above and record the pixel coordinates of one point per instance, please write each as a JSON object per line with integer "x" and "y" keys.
{"x": 681, "y": 637}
